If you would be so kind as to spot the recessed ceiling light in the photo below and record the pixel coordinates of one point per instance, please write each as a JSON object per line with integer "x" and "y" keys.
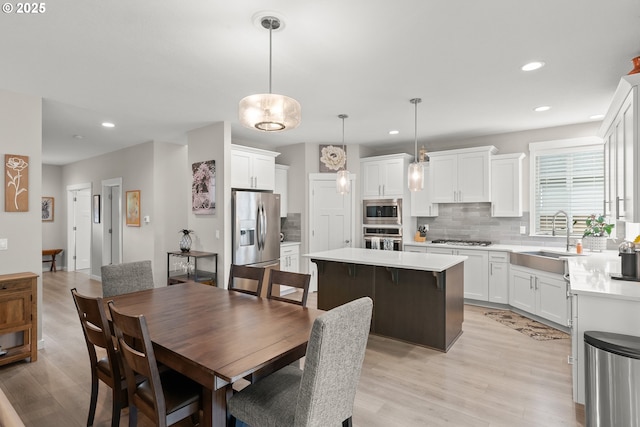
{"x": 108, "y": 124}
{"x": 596, "y": 117}
{"x": 78, "y": 136}
{"x": 531, "y": 66}
{"x": 394, "y": 132}
{"x": 542, "y": 108}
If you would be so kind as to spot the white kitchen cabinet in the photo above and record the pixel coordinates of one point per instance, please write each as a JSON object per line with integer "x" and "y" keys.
{"x": 461, "y": 176}
{"x": 252, "y": 168}
{"x": 290, "y": 257}
{"x": 414, "y": 248}
{"x": 499, "y": 277}
{"x": 506, "y": 185}
{"x": 539, "y": 293}
{"x": 282, "y": 188}
{"x": 620, "y": 132}
{"x": 385, "y": 176}
{"x": 421, "y": 201}
{"x": 476, "y": 271}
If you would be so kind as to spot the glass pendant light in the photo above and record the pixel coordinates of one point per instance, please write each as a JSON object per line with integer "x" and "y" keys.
{"x": 343, "y": 183}
{"x": 416, "y": 172}
{"x": 269, "y": 112}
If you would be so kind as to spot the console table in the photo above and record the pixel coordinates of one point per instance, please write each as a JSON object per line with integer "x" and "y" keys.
{"x": 52, "y": 253}
{"x": 19, "y": 308}
{"x": 195, "y": 274}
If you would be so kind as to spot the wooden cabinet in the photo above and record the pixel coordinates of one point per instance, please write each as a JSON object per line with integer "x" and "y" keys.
{"x": 506, "y": 185}
{"x": 461, "y": 176}
{"x": 476, "y": 267}
{"x": 19, "y": 314}
{"x": 621, "y": 135}
{"x": 421, "y": 201}
{"x": 282, "y": 188}
{"x": 252, "y": 168}
{"x": 540, "y": 293}
{"x": 499, "y": 277}
{"x": 385, "y": 176}
{"x": 290, "y": 257}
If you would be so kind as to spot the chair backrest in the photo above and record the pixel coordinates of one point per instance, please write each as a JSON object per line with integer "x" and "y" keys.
{"x": 96, "y": 330}
{"x": 124, "y": 278}
{"x": 333, "y": 363}
{"x": 139, "y": 358}
{"x": 287, "y": 278}
{"x": 246, "y": 279}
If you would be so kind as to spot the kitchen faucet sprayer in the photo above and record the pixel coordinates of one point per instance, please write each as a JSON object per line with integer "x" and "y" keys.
{"x": 553, "y": 225}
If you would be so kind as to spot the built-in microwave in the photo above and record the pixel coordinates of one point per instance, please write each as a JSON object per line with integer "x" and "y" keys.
{"x": 382, "y": 212}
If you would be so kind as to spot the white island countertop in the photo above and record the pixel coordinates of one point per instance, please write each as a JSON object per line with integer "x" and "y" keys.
{"x": 592, "y": 276}
{"x": 395, "y": 259}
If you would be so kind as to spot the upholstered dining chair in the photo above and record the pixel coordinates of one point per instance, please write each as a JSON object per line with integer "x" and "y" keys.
{"x": 128, "y": 277}
{"x": 97, "y": 333}
{"x": 323, "y": 393}
{"x": 288, "y": 278}
{"x": 166, "y": 397}
{"x": 243, "y": 275}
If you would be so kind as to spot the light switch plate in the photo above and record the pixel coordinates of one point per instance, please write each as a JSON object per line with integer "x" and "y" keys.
{"x": 523, "y": 229}
{"x": 4, "y": 244}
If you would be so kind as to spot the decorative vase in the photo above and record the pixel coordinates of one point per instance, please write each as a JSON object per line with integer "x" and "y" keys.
{"x": 636, "y": 66}
{"x": 185, "y": 241}
{"x": 596, "y": 243}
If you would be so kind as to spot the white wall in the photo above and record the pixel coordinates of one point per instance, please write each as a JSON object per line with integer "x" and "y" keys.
{"x": 53, "y": 232}
{"x": 21, "y": 134}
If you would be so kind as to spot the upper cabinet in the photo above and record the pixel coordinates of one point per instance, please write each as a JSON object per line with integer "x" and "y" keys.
{"x": 622, "y": 152}
{"x": 281, "y": 187}
{"x": 421, "y": 201}
{"x": 385, "y": 176}
{"x": 506, "y": 185}
{"x": 461, "y": 176}
{"x": 253, "y": 168}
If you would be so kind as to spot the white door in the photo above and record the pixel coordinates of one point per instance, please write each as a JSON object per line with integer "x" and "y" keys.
{"x": 330, "y": 218}
{"x": 83, "y": 229}
{"x": 111, "y": 221}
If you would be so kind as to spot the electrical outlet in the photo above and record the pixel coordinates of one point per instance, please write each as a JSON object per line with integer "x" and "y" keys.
{"x": 4, "y": 244}
{"x": 523, "y": 229}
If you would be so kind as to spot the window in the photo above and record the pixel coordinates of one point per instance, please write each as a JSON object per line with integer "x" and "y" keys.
{"x": 566, "y": 176}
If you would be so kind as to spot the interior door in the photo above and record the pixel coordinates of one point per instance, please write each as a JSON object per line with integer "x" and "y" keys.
{"x": 82, "y": 214}
{"x": 331, "y": 218}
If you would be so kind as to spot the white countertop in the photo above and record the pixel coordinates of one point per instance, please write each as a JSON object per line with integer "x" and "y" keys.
{"x": 397, "y": 259}
{"x": 592, "y": 276}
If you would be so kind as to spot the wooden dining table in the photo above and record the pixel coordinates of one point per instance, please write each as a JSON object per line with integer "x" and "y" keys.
{"x": 216, "y": 336}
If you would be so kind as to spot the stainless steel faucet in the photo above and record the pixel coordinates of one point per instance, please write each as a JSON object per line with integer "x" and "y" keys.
{"x": 553, "y": 225}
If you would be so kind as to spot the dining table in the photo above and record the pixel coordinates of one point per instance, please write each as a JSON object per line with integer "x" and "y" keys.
{"x": 216, "y": 336}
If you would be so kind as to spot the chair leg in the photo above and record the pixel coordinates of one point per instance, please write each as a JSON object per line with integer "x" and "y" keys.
{"x": 94, "y": 398}
{"x": 116, "y": 407}
{"x": 347, "y": 422}
{"x": 133, "y": 416}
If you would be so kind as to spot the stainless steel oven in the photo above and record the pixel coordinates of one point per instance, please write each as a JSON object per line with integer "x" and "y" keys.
{"x": 386, "y": 238}
{"x": 382, "y": 212}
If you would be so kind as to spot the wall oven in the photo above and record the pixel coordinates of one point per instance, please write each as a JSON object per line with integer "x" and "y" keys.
{"x": 387, "y": 238}
{"x": 382, "y": 212}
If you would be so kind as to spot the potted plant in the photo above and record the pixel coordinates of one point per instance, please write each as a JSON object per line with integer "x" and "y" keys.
{"x": 597, "y": 232}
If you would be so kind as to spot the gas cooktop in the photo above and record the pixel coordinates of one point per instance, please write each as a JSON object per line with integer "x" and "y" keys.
{"x": 462, "y": 242}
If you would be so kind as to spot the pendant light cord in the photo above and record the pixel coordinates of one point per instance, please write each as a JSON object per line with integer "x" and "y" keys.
{"x": 343, "y": 116}
{"x": 270, "y": 48}
{"x": 415, "y": 102}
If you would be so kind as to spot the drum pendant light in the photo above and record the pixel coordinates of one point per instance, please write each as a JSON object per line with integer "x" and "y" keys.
{"x": 416, "y": 172}
{"x": 343, "y": 183}
{"x": 269, "y": 112}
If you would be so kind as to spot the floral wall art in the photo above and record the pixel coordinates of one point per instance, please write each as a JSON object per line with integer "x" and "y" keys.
{"x": 16, "y": 183}
{"x": 332, "y": 158}
{"x": 133, "y": 208}
{"x": 203, "y": 188}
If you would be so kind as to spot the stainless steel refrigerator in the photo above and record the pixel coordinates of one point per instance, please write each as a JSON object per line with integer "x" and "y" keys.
{"x": 256, "y": 228}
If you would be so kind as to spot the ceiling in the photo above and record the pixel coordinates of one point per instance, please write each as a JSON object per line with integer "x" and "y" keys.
{"x": 158, "y": 69}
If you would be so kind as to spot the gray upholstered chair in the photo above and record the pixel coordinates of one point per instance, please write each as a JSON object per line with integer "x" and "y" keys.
{"x": 321, "y": 395}
{"x": 124, "y": 278}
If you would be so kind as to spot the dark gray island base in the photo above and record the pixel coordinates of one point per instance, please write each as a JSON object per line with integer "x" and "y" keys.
{"x": 413, "y": 305}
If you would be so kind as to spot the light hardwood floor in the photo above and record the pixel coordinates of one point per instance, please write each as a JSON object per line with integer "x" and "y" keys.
{"x": 492, "y": 376}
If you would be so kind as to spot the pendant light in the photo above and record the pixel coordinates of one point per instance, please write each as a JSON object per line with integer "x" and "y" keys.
{"x": 416, "y": 172}
{"x": 343, "y": 183}
{"x": 269, "y": 112}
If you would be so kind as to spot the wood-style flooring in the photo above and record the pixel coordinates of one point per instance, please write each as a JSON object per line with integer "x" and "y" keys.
{"x": 492, "y": 376}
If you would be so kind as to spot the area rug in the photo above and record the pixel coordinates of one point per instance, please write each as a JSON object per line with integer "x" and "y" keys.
{"x": 530, "y": 328}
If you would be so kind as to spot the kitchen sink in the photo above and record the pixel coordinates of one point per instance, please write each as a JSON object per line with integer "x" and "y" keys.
{"x": 548, "y": 261}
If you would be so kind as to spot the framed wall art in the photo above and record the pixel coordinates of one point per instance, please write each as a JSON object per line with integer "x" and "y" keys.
{"x": 96, "y": 209}
{"x": 203, "y": 188}
{"x": 133, "y": 208}
{"x": 47, "y": 208}
{"x": 16, "y": 183}
{"x": 332, "y": 158}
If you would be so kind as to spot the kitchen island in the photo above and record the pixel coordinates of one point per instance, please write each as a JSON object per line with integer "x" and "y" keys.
{"x": 417, "y": 297}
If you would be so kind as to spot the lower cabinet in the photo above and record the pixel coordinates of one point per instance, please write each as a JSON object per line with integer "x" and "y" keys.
{"x": 476, "y": 271}
{"x": 540, "y": 293}
{"x": 290, "y": 257}
{"x": 19, "y": 315}
{"x": 499, "y": 277}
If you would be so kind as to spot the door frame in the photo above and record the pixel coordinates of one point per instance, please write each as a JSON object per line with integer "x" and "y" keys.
{"x": 106, "y": 246}
{"x": 71, "y": 248}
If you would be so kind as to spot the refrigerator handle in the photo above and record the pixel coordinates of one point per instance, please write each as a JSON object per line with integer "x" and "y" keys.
{"x": 259, "y": 228}
{"x": 264, "y": 228}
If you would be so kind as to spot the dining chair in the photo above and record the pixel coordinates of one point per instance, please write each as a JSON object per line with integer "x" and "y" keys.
{"x": 166, "y": 397}
{"x": 323, "y": 393}
{"x": 96, "y": 331}
{"x": 124, "y": 278}
{"x": 241, "y": 275}
{"x": 287, "y": 278}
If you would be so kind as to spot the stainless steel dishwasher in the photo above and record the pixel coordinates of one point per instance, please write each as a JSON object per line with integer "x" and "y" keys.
{"x": 612, "y": 379}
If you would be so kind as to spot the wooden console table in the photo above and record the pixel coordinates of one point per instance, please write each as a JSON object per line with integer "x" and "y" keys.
{"x": 52, "y": 253}
{"x": 19, "y": 308}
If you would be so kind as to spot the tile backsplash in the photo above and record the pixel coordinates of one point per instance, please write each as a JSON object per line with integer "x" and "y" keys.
{"x": 291, "y": 226}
